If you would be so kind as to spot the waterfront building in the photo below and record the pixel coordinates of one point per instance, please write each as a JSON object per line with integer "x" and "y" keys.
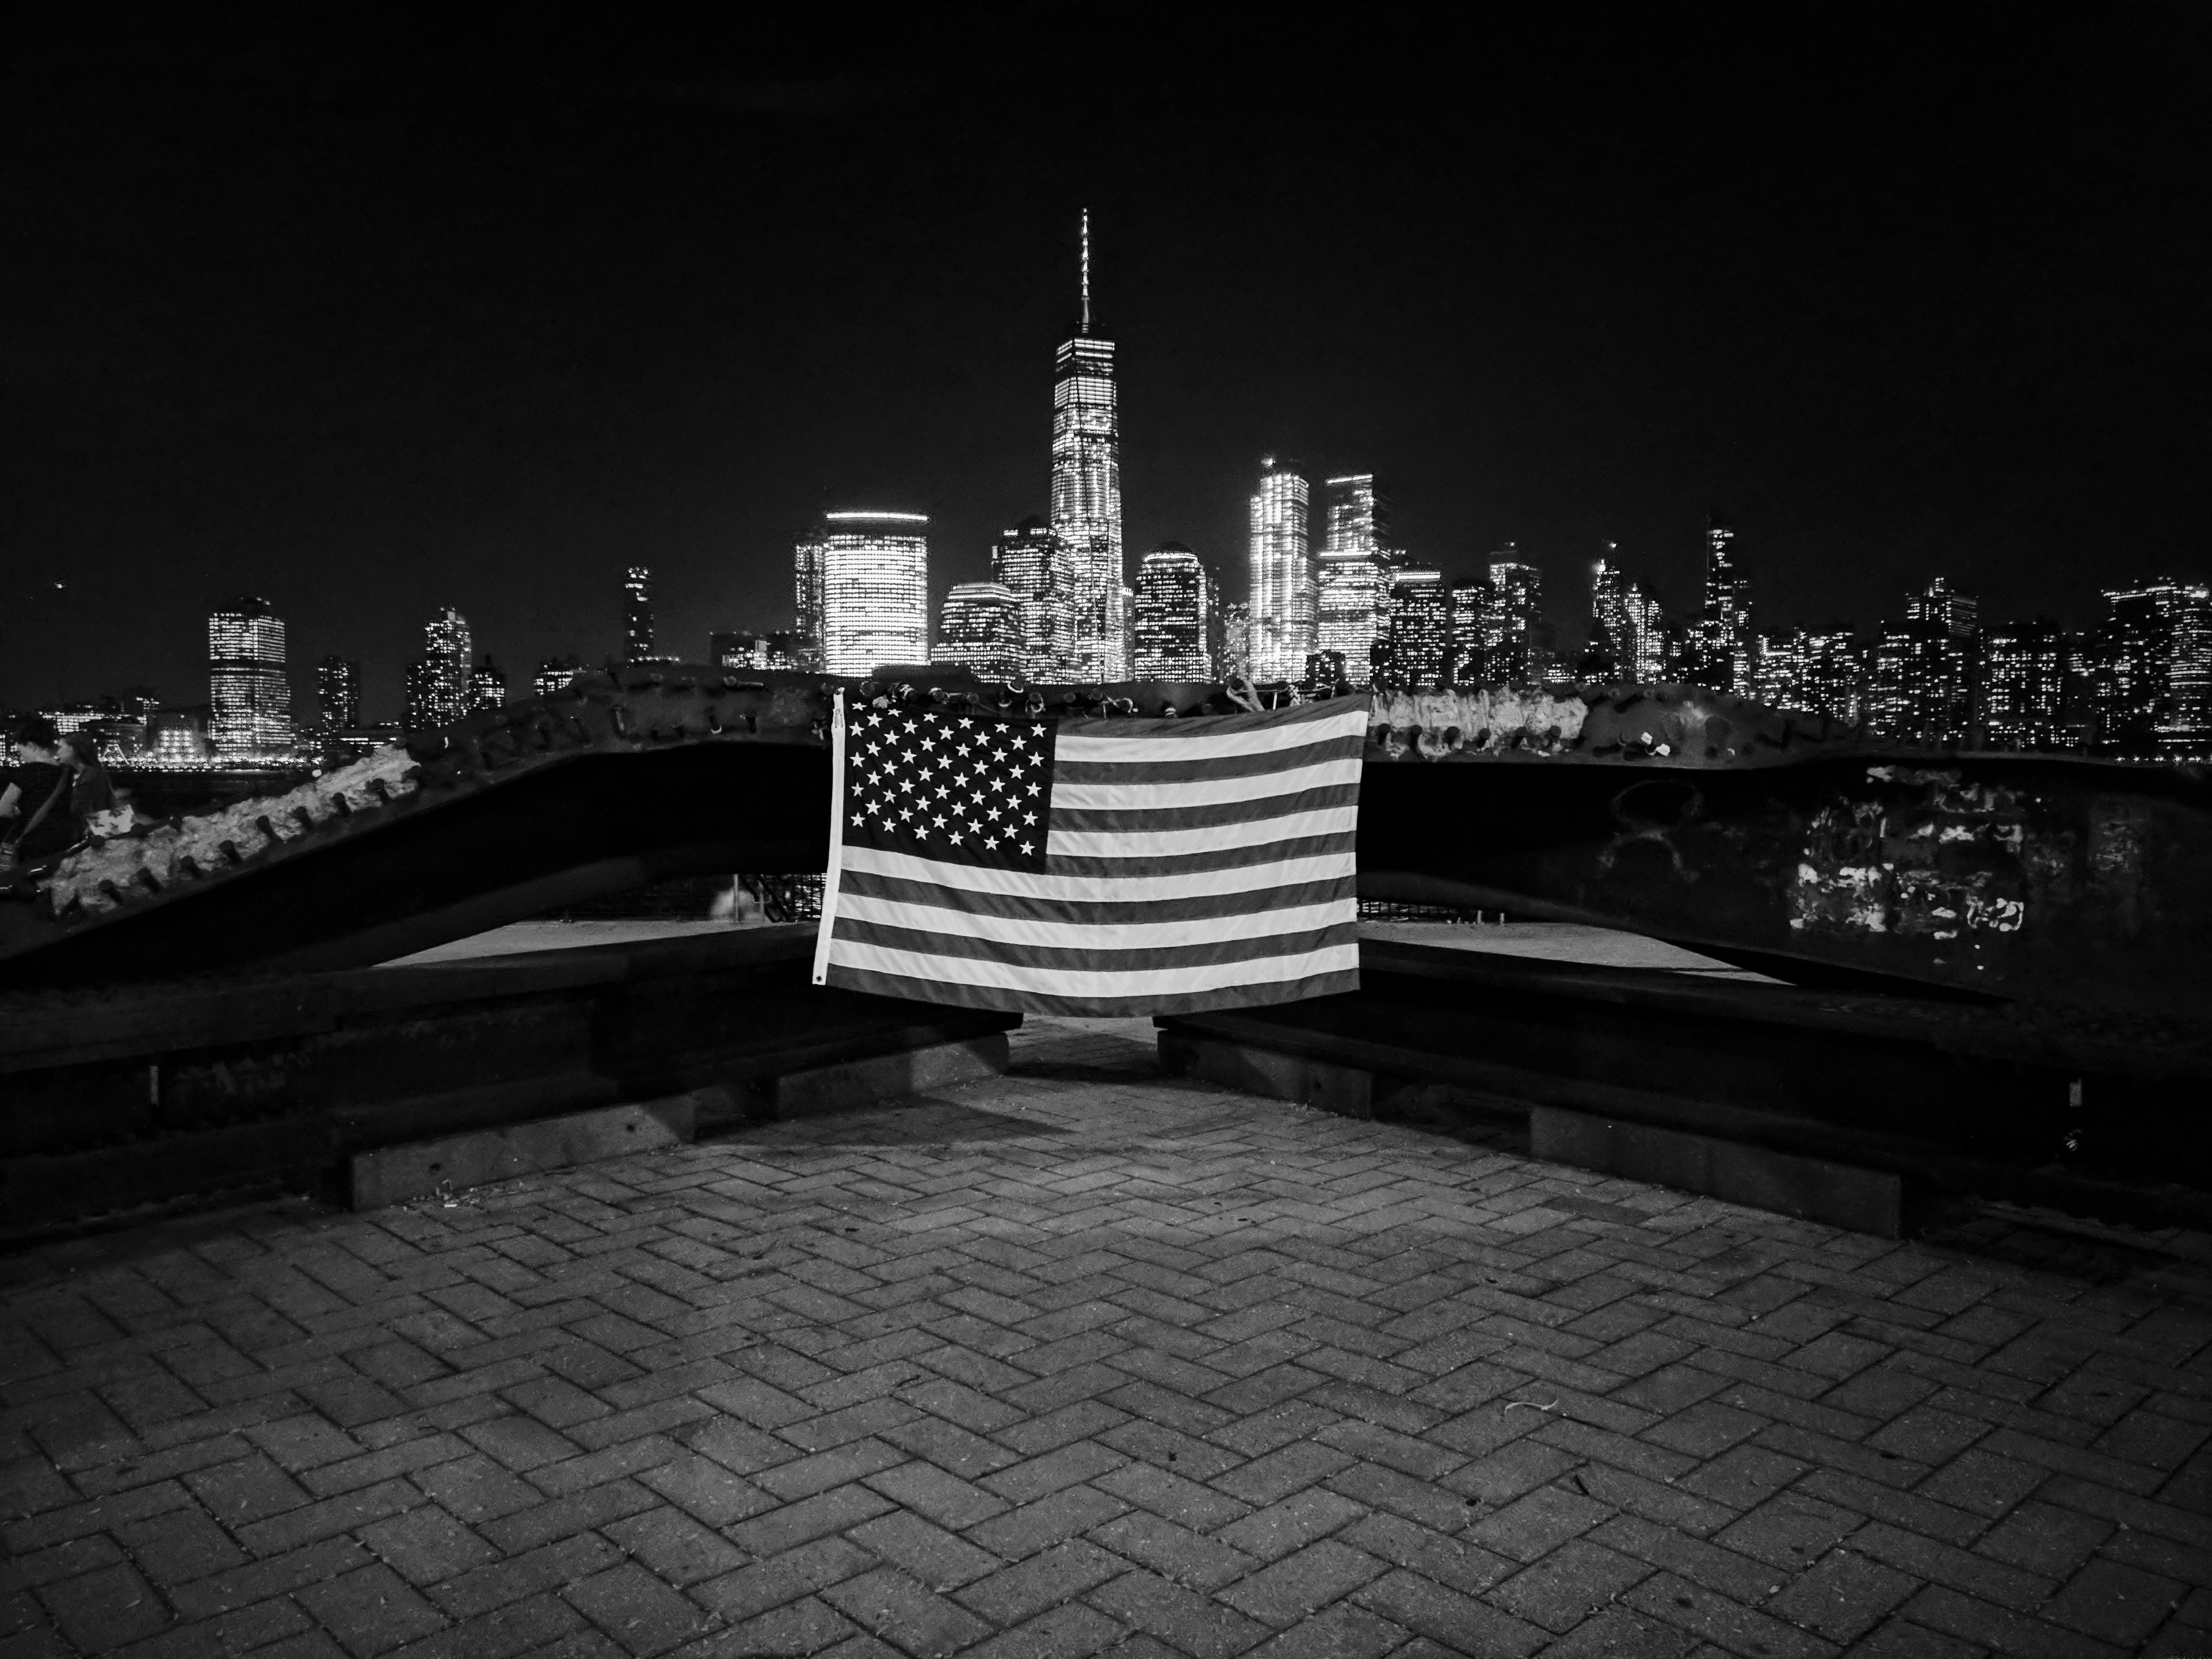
{"x": 875, "y": 590}
{"x": 1778, "y": 668}
{"x": 1353, "y": 572}
{"x": 1283, "y": 592}
{"x": 742, "y": 648}
{"x": 487, "y": 685}
{"x": 1517, "y": 641}
{"x": 1030, "y": 563}
{"x": 556, "y": 674}
{"x": 180, "y": 735}
{"x": 1236, "y": 655}
{"x": 2153, "y": 670}
{"x": 1467, "y": 614}
{"x": 1635, "y": 624}
{"x": 637, "y": 615}
{"x": 1177, "y": 615}
{"x": 1727, "y": 653}
{"x": 2024, "y": 690}
{"x": 1419, "y": 632}
{"x": 337, "y": 693}
{"x": 438, "y": 681}
{"x": 1086, "y": 495}
{"x": 979, "y": 627}
{"x": 807, "y": 594}
{"x": 1832, "y": 675}
{"x": 247, "y": 685}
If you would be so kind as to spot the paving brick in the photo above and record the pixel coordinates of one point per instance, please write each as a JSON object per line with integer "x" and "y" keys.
{"x": 1190, "y": 1623}
{"x": 872, "y": 1352}
{"x": 105, "y": 1609}
{"x": 1455, "y": 1622}
{"x": 1299, "y": 1584}
{"x": 633, "y": 1607}
{"x": 370, "y": 1609}
{"x": 1568, "y": 1585}
{"x": 1022, "y": 1531}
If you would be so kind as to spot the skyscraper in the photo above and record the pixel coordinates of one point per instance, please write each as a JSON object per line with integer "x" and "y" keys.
{"x": 556, "y": 674}
{"x": 1282, "y": 574}
{"x": 806, "y": 594}
{"x": 438, "y": 681}
{"x": 246, "y": 683}
{"x": 1921, "y": 676}
{"x": 1352, "y": 580}
{"x": 980, "y": 628}
{"x": 1467, "y": 662}
{"x": 875, "y": 590}
{"x": 1030, "y": 562}
{"x": 2023, "y": 691}
{"x": 1176, "y": 616}
{"x": 637, "y": 614}
{"x": 1726, "y": 652}
{"x": 1086, "y": 493}
{"x": 1236, "y": 656}
{"x": 1420, "y": 631}
{"x": 337, "y": 693}
{"x": 1517, "y": 641}
{"x": 2155, "y": 671}
{"x": 487, "y": 685}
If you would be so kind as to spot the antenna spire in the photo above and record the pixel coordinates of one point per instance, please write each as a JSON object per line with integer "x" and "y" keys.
{"x": 1086, "y": 270}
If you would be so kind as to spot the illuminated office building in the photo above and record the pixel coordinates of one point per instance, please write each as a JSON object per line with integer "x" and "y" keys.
{"x": 1634, "y": 622}
{"x": 556, "y": 674}
{"x": 1516, "y": 641}
{"x": 337, "y": 693}
{"x": 807, "y": 594}
{"x": 1236, "y": 656}
{"x": 637, "y": 615}
{"x": 1466, "y": 613}
{"x": 1419, "y": 632}
{"x": 2154, "y": 671}
{"x": 1282, "y": 574}
{"x": 1086, "y": 495}
{"x": 439, "y": 681}
{"x": 1352, "y": 579}
{"x": 1177, "y": 615}
{"x": 487, "y": 685}
{"x": 1030, "y": 562}
{"x": 980, "y": 628}
{"x": 2024, "y": 686}
{"x": 875, "y": 590}
{"x": 1921, "y": 676}
{"x": 1727, "y": 653}
{"x": 246, "y": 683}
{"x": 742, "y": 648}
{"x": 1830, "y": 675}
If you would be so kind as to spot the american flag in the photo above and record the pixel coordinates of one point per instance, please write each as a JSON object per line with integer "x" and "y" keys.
{"x": 1099, "y": 866}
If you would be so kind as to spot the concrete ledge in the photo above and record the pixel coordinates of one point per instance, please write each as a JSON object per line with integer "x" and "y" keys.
{"x": 884, "y": 1076}
{"x": 1811, "y": 1188}
{"x": 1343, "y": 1089}
{"x": 393, "y": 1175}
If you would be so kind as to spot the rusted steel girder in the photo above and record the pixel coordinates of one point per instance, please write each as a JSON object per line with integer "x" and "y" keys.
{"x": 1809, "y": 848}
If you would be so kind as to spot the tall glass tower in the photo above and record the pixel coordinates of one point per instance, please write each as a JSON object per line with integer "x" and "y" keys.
{"x": 637, "y": 614}
{"x": 246, "y": 683}
{"x": 1030, "y": 562}
{"x": 875, "y": 590}
{"x": 1283, "y": 593}
{"x": 1086, "y": 493}
{"x": 1354, "y": 578}
{"x": 1726, "y": 656}
{"x": 1174, "y": 616}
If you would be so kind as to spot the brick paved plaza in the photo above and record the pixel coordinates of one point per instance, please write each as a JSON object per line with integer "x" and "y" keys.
{"x": 1078, "y": 1361}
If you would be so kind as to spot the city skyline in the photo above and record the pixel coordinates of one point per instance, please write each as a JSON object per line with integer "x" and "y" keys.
{"x": 482, "y": 386}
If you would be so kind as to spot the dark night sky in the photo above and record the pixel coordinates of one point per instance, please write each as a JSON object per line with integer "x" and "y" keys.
{"x": 368, "y": 315}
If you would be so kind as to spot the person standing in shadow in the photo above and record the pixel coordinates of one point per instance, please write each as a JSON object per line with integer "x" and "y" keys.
{"x": 37, "y": 821}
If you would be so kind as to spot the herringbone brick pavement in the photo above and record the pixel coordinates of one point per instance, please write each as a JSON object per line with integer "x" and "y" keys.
{"x": 1082, "y": 1360}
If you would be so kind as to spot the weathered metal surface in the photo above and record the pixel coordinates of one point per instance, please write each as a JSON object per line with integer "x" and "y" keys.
{"x": 1802, "y": 845}
{"x": 1990, "y": 1101}
{"x": 128, "y": 1097}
